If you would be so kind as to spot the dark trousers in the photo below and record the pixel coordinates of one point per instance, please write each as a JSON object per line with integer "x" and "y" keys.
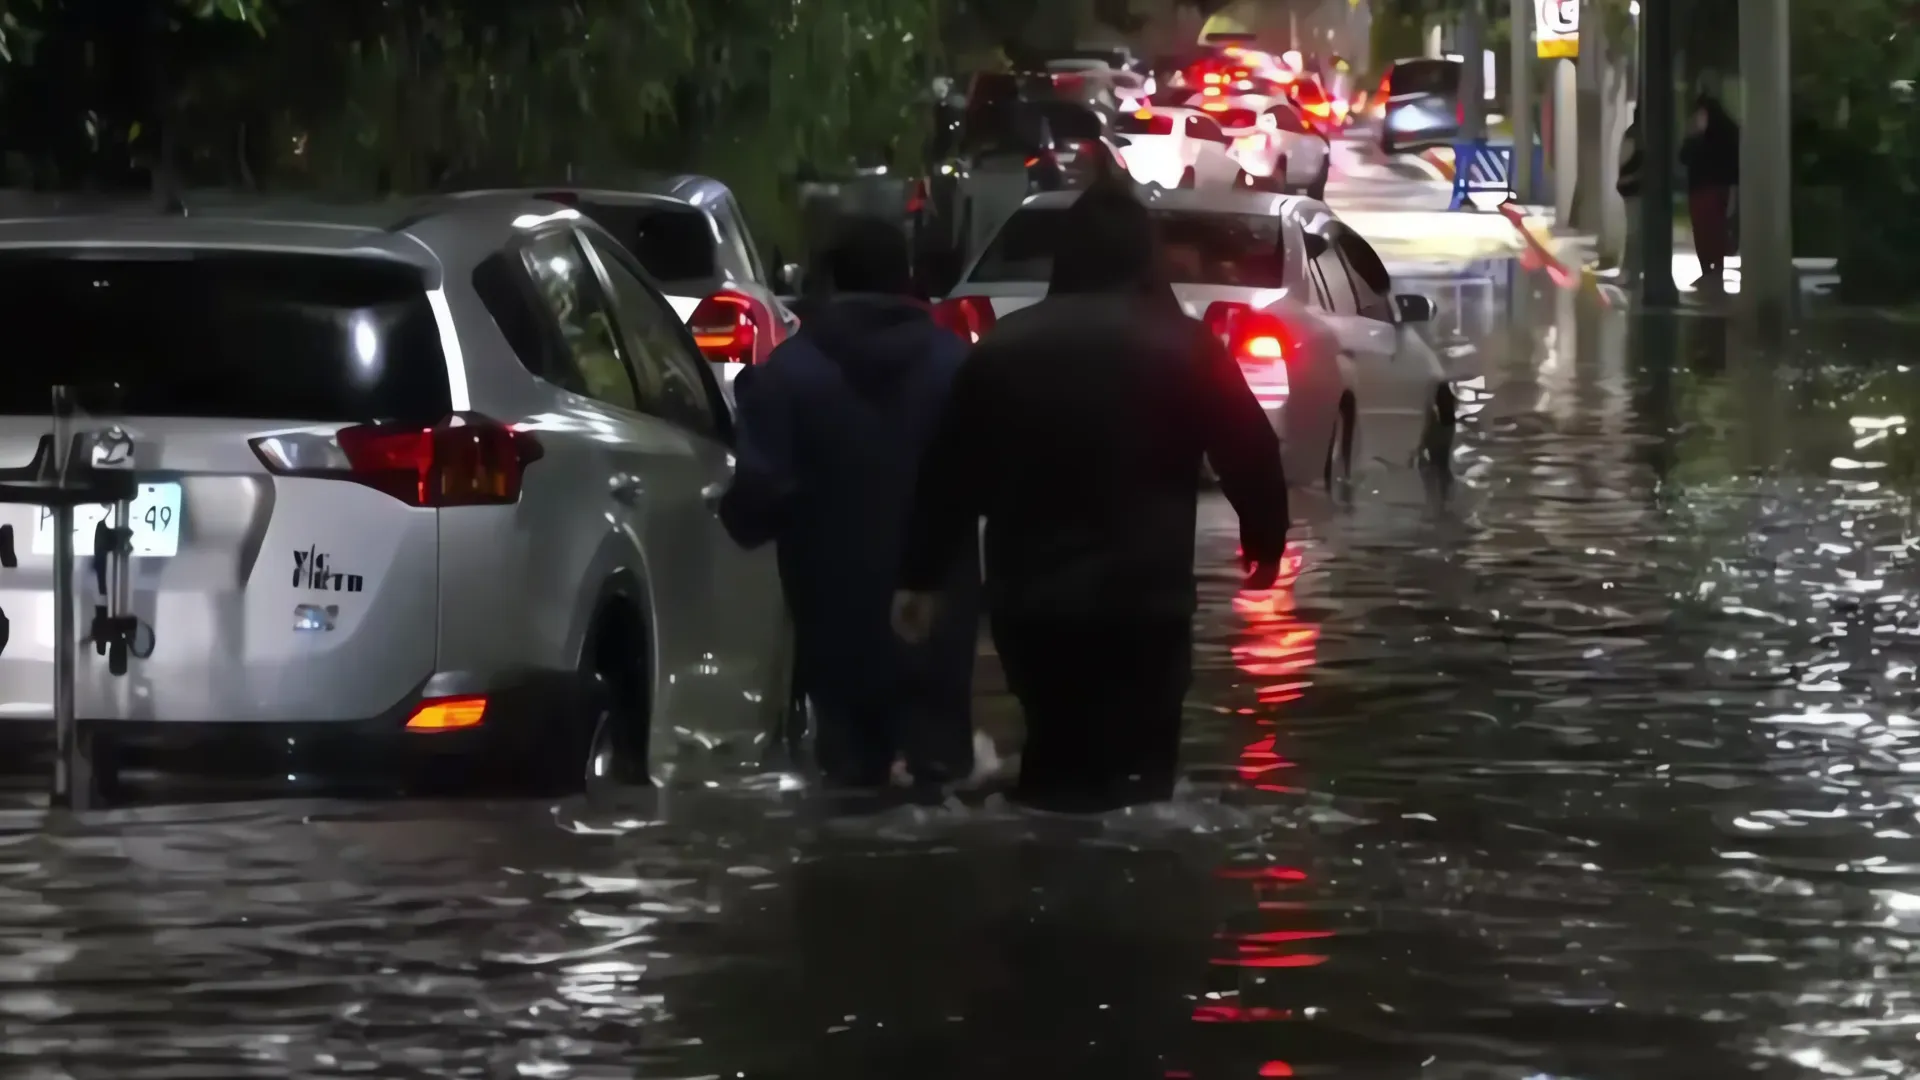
{"x": 1102, "y": 701}
{"x": 929, "y": 727}
{"x": 1710, "y": 210}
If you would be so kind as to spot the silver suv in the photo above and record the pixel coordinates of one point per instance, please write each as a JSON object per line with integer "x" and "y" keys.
{"x": 433, "y": 485}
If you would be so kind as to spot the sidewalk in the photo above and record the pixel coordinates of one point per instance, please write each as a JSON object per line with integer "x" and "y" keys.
{"x": 1578, "y": 249}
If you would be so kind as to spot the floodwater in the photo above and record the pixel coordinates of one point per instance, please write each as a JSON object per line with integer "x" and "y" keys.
{"x": 1597, "y": 768}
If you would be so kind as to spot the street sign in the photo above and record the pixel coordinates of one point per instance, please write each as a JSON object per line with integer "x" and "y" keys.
{"x": 1556, "y": 32}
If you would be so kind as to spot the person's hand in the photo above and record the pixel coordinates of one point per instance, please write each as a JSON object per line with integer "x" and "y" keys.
{"x": 1261, "y": 573}
{"x": 913, "y": 615}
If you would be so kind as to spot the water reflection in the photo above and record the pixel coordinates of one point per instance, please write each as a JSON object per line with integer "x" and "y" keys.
{"x": 1604, "y": 768}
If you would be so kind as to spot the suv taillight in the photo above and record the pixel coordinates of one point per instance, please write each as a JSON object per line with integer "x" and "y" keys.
{"x": 968, "y": 316}
{"x": 732, "y": 328}
{"x": 465, "y": 460}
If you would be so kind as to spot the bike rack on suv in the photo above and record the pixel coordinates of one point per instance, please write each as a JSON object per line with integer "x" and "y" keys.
{"x": 70, "y": 469}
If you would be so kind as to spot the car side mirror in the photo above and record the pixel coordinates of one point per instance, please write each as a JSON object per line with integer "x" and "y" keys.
{"x": 1414, "y": 308}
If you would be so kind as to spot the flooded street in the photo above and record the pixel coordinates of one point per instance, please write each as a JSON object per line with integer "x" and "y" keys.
{"x": 1597, "y": 768}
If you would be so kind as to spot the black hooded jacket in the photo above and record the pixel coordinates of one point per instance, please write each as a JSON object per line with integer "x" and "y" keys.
{"x": 1712, "y": 155}
{"x": 1077, "y": 429}
{"x": 832, "y": 428}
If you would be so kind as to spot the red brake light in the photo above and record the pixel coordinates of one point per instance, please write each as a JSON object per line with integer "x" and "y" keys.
{"x": 1252, "y": 336}
{"x": 968, "y": 316}
{"x": 917, "y": 198}
{"x": 465, "y": 460}
{"x": 732, "y": 328}
{"x": 564, "y": 198}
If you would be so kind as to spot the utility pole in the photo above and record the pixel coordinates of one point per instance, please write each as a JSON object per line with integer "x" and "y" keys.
{"x": 1768, "y": 284}
{"x": 1473, "y": 91}
{"x": 1589, "y": 71}
{"x": 1521, "y": 100}
{"x": 1657, "y": 152}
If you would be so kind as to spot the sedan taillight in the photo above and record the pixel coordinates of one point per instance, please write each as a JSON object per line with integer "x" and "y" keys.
{"x": 732, "y": 328}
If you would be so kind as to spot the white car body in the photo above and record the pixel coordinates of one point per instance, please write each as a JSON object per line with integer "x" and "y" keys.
{"x": 1277, "y": 150}
{"x": 1195, "y": 153}
{"x": 1344, "y": 345}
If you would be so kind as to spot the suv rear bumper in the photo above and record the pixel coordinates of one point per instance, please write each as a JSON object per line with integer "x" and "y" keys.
{"x": 524, "y": 713}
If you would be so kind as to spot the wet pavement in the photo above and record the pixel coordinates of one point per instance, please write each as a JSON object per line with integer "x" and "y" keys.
{"x": 1595, "y": 768}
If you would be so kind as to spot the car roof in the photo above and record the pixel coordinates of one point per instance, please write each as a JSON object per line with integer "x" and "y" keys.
{"x": 441, "y": 236}
{"x": 1204, "y": 202}
{"x": 690, "y": 188}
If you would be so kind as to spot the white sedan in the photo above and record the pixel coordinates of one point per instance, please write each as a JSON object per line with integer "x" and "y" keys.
{"x": 1303, "y": 302}
{"x": 1275, "y": 148}
{"x": 1177, "y": 148}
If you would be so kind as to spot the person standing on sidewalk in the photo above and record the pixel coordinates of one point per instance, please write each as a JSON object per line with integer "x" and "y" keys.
{"x": 1628, "y": 185}
{"x": 1711, "y": 155}
{"x": 1077, "y": 430}
{"x": 832, "y": 428}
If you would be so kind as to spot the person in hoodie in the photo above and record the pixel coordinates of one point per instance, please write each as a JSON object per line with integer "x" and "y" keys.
{"x": 1076, "y": 429}
{"x": 1711, "y": 155}
{"x": 832, "y": 428}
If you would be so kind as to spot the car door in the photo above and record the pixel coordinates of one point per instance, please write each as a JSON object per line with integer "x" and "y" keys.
{"x": 738, "y": 591}
{"x": 1405, "y": 381}
{"x": 1364, "y": 348}
{"x": 651, "y": 474}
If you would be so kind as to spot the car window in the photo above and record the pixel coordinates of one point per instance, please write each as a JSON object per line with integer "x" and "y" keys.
{"x": 198, "y": 333}
{"x": 1287, "y": 118}
{"x": 672, "y": 240}
{"x": 671, "y": 386}
{"x": 507, "y": 292}
{"x": 1424, "y": 77}
{"x": 567, "y": 285}
{"x": 1200, "y": 248}
{"x": 733, "y": 240}
{"x": 1235, "y": 119}
{"x": 1070, "y": 121}
{"x": 1331, "y": 281}
{"x": 1372, "y": 285}
{"x": 1199, "y": 127}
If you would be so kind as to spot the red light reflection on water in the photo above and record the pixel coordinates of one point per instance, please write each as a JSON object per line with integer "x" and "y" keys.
{"x": 1278, "y": 651}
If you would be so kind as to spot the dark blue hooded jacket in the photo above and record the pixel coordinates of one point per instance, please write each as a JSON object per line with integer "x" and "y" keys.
{"x": 832, "y": 430}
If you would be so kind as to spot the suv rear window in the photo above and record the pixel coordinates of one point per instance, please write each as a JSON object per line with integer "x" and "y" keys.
{"x": 231, "y": 335}
{"x": 1424, "y": 77}
{"x": 674, "y": 243}
{"x": 1200, "y": 248}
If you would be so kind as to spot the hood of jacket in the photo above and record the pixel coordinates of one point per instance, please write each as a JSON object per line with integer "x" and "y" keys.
{"x": 874, "y": 339}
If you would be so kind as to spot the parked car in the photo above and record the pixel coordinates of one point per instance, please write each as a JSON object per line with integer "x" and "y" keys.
{"x": 1300, "y": 298}
{"x": 1421, "y": 105}
{"x": 424, "y": 494}
{"x": 689, "y": 234}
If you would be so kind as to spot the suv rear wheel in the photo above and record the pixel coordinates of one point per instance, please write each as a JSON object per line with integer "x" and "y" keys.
{"x": 607, "y": 742}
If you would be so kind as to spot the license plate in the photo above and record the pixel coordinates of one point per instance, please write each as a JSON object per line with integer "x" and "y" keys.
{"x": 155, "y": 524}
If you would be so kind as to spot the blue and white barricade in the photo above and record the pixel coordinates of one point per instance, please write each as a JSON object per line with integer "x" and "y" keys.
{"x": 1481, "y": 167}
